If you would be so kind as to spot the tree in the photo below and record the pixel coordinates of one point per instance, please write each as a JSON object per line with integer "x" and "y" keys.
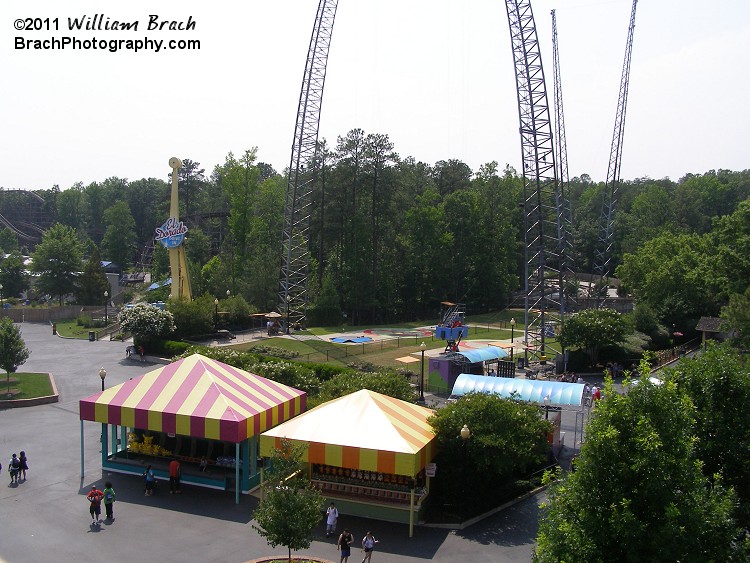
{"x": 13, "y": 275}
{"x": 57, "y": 261}
{"x": 93, "y": 282}
{"x": 591, "y": 329}
{"x": 718, "y": 384}
{"x": 119, "y": 238}
{"x": 146, "y": 322}
{"x": 291, "y": 505}
{"x": 8, "y": 241}
{"x": 385, "y": 382}
{"x": 508, "y": 440}
{"x": 13, "y": 351}
{"x": 736, "y": 314}
{"x": 638, "y": 493}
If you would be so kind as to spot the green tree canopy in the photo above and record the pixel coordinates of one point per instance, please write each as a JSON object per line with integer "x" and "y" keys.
{"x": 119, "y": 239}
{"x": 93, "y": 282}
{"x": 508, "y": 440}
{"x": 638, "y": 493}
{"x": 718, "y": 384}
{"x": 13, "y": 351}
{"x": 57, "y": 260}
{"x": 591, "y": 329}
{"x": 13, "y": 275}
{"x": 291, "y": 506}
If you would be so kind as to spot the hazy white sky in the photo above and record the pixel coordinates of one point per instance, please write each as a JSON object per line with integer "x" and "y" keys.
{"x": 436, "y": 76}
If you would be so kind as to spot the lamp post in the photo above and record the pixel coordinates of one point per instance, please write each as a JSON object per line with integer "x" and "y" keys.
{"x": 106, "y": 304}
{"x": 216, "y": 313}
{"x": 229, "y": 292}
{"x": 512, "y": 336}
{"x": 547, "y": 401}
{"x": 465, "y": 435}
{"x": 103, "y": 375}
{"x": 1, "y": 295}
{"x": 422, "y": 348}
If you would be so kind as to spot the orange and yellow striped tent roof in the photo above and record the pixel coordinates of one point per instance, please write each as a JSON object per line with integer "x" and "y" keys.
{"x": 199, "y": 397}
{"x": 364, "y": 430}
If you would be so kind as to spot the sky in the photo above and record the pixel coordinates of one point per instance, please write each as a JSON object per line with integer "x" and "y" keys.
{"x": 436, "y": 76}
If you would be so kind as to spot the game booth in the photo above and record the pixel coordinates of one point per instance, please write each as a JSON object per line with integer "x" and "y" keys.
{"x": 367, "y": 452}
{"x": 207, "y": 414}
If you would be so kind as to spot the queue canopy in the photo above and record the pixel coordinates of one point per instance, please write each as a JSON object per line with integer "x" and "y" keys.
{"x": 198, "y": 397}
{"x": 535, "y": 391}
{"x": 364, "y": 430}
{"x": 483, "y": 354}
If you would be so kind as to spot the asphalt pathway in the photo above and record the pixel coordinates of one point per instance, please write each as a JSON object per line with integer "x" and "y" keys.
{"x": 45, "y": 518}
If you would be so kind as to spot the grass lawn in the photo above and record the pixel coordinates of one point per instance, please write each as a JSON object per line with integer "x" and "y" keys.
{"x": 380, "y": 352}
{"x": 71, "y": 329}
{"x": 31, "y": 385}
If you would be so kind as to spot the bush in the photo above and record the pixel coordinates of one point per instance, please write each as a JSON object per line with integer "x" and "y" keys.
{"x": 274, "y": 351}
{"x": 173, "y": 348}
{"x": 192, "y": 318}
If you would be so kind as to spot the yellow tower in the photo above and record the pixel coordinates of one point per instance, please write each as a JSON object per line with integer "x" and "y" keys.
{"x": 172, "y": 236}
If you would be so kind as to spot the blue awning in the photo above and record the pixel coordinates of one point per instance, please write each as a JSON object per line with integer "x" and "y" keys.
{"x": 157, "y": 285}
{"x": 526, "y": 389}
{"x": 484, "y": 354}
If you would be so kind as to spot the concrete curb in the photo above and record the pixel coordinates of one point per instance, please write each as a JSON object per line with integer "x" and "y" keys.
{"x": 295, "y": 558}
{"x": 35, "y": 401}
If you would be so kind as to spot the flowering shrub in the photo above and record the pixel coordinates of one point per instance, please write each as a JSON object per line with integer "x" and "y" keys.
{"x": 146, "y": 322}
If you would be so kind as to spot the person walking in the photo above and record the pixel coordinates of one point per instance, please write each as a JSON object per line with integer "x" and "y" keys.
{"x": 332, "y": 516}
{"x": 14, "y": 466}
{"x": 24, "y": 465}
{"x": 368, "y": 546}
{"x": 175, "y": 472}
{"x": 148, "y": 475}
{"x": 344, "y": 545}
{"x": 95, "y": 497}
{"x": 109, "y": 499}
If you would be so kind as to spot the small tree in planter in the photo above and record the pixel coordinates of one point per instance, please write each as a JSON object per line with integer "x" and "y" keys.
{"x": 147, "y": 323}
{"x": 291, "y": 506}
{"x": 13, "y": 351}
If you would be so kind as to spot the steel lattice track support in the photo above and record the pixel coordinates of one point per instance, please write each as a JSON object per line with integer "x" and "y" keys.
{"x": 603, "y": 252}
{"x": 295, "y": 258}
{"x": 541, "y": 197}
{"x": 569, "y": 281}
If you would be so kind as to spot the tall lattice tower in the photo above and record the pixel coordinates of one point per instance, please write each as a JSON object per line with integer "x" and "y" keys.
{"x": 542, "y": 199}
{"x": 603, "y": 253}
{"x": 569, "y": 284}
{"x": 295, "y": 259}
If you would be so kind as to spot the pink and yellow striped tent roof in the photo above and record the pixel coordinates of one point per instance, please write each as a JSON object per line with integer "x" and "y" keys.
{"x": 364, "y": 430}
{"x": 197, "y": 397}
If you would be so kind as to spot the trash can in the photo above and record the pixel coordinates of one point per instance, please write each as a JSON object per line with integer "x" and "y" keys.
{"x": 54, "y": 329}
{"x": 92, "y": 336}
{"x": 520, "y": 363}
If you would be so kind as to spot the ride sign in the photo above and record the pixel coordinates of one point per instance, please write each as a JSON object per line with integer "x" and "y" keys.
{"x": 172, "y": 233}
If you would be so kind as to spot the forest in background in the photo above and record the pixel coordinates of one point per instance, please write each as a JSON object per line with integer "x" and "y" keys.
{"x": 391, "y": 237}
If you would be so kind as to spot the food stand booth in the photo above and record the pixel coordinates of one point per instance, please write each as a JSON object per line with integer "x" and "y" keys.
{"x": 367, "y": 452}
{"x": 205, "y": 413}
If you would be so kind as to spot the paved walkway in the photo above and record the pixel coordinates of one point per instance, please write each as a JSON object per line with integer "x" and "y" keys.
{"x": 46, "y": 517}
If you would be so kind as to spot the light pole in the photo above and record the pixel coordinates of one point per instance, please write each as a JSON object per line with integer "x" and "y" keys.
{"x": 106, "y": 304}
{"x": 422, "y": 348}
{"x": 512, "y": 336}
{"x": 465, "y": 435}
{"x": 216, "y": 313}
{"x": 1, "y": 295}
{"x": 103, "y": 375}
{"x": 547, "y": 401}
